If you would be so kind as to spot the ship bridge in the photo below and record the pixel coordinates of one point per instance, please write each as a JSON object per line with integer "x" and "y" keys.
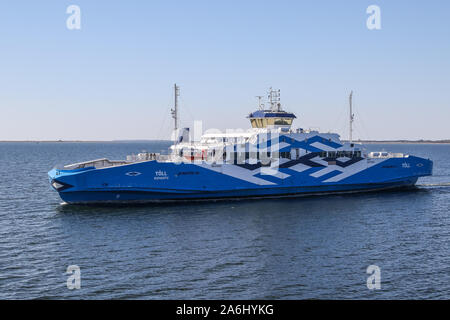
{"x": 274, "y": 117}
{"x": 269, "y": 118}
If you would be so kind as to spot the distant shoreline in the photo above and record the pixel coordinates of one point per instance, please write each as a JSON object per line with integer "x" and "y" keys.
{"x": 143, "y": 141}
{"x": 403, "y": 141}
{"x": 83, "y": 141}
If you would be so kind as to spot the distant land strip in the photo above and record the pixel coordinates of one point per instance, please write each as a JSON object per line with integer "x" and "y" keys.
{"x": 84, "y": 141}
{"x": 149, "y": 140}
{"x": 400, "y": 141}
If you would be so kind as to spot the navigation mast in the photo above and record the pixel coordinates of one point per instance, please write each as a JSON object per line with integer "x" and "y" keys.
{"x": 274, "y": 99}
{"x": 174, "y": 111}
{"x": 351, "y": 117}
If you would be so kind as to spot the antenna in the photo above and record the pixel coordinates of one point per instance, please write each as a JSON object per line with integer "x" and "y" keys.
{"x": 351, "y": 117}
{"x": 260, "y": 105}
{"x": 174, "y": 111}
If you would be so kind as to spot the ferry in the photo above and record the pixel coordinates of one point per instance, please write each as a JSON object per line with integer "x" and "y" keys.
{"x": 270, "y": 159}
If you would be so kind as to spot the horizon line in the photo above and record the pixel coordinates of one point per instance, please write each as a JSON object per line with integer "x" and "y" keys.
{"x": 168, "y": 140}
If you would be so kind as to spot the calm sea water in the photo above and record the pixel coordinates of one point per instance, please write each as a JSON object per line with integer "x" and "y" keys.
{"x": 314, "y": 247}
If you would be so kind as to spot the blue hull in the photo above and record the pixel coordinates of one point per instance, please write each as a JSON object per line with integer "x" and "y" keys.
{"x": 92, "y": 197}
{"x": 153, "y": 181}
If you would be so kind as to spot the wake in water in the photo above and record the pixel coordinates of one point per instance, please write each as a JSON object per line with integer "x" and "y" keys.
{"x": 441, "y": 184}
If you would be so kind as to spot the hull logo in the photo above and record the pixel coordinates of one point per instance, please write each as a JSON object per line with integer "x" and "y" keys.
{"x": 133, "y": 173}
{"x": 406, "y": 165}
{"x": 161, "y": 175}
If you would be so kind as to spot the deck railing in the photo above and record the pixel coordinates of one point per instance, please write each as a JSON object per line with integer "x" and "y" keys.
{"x": 98, "y": 163}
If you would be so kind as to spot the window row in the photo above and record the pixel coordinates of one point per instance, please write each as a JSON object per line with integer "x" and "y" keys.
{"x": 264, "y": 122}
{"x": 339, "y": 154}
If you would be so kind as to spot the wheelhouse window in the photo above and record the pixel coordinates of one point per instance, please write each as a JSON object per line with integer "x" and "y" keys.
{"x": 265, "y": 122}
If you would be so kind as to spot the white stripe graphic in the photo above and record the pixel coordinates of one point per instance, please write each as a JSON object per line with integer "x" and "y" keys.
{"x": 353, "y": 169}
{"x": 236, "y": 172}
{"x": 274, "y": 172}
{"x": 300, "y": 167}
{"x": 322, "y": 146}
{"x": 320, "y": 161}
{"x": 326, "y": 171}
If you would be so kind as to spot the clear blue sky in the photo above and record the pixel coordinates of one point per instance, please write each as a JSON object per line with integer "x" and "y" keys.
{"x": 113, "y": 78}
